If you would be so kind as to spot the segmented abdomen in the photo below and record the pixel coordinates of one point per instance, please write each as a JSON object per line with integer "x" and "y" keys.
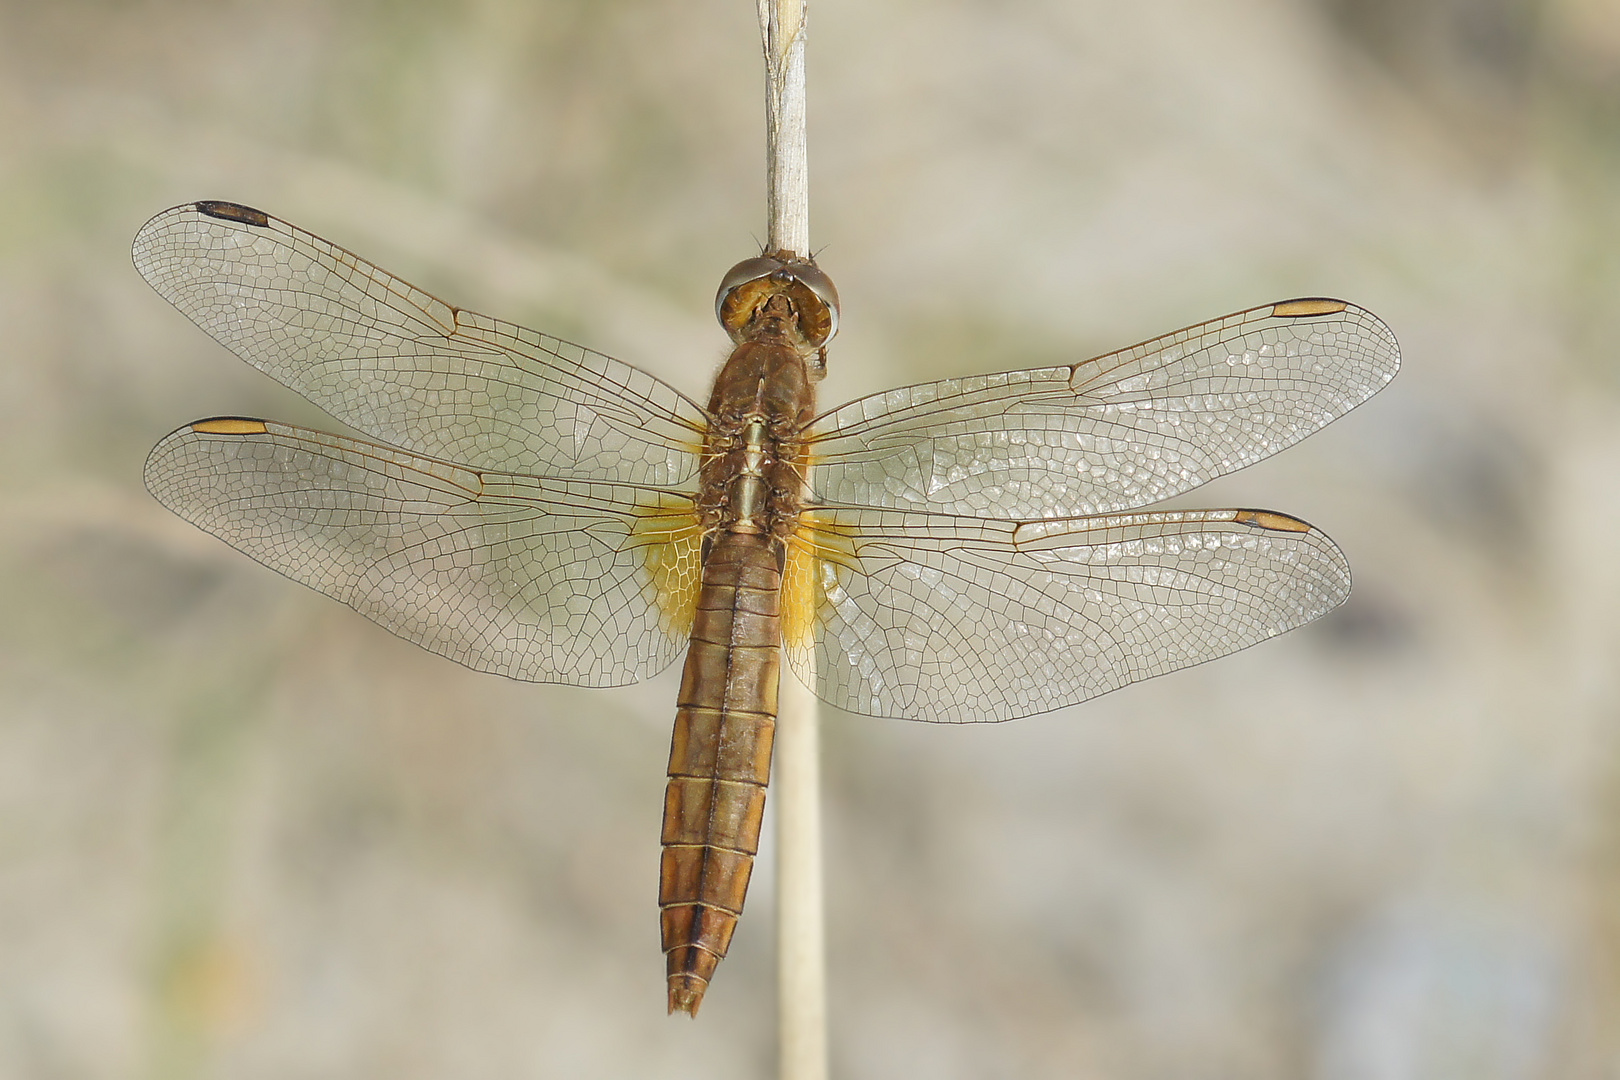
{"x": 719, "y": 760}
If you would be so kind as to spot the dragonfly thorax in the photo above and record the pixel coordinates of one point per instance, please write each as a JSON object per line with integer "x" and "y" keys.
{"x": 753, "y": 463}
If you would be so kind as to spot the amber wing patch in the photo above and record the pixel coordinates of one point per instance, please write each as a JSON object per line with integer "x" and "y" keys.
{"x": 817, "y": 548}
{"x": 671, "y": 541}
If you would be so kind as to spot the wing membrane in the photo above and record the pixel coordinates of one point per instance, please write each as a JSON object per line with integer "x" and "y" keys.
{"x": 1114, "y": 433}
{"x": 406, "y": 368}
{"x": 544, "y": 580}
{"x": 933, "y": 617}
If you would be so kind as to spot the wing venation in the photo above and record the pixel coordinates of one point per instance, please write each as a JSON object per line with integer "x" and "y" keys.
{"x": 406, "y": 368}
{"x": 546, "y": 580}
{"x": 1114, "y": 433}
{"x": 955, "y": 619}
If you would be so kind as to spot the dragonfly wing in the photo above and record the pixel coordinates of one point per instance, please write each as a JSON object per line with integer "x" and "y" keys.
{"x": 404, "y": 367}
{"x": 934, "y": 617}
{"x": 1114, "y": 433}
{"x": 544, "y": 580}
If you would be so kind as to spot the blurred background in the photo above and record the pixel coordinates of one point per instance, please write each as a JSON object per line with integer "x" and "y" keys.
{"x": 244, "y": 833}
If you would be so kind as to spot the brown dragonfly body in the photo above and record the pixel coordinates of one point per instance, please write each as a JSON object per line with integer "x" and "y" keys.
{"x": 754, "y": 465}
{"x": 965, "y": 550}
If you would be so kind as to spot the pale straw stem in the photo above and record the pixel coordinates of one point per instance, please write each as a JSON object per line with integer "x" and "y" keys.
{"x": 796, "y": 785}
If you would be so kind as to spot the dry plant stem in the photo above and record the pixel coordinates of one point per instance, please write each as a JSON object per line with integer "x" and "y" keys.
{"x": 796, "y": 787}
{"x": 781, "y": 23}
{"x": 801, "y": 960}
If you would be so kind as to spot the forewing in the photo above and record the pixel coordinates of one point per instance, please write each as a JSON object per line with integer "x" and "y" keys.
{"x": 932, "y": 617}
{"x": 1114, "y": 433}
{"x": 545, "y": 580}
{"x": 406, "y": 368}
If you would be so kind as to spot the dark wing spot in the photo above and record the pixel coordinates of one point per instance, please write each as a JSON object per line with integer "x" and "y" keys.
{"x": 230, "y": 211}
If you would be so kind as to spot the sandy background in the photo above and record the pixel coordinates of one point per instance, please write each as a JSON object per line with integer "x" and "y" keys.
{"x": 246, "y": 834}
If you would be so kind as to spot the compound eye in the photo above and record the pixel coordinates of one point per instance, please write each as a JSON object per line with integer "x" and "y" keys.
{"x": 819, "y": 329}
{"x": 752, "y": 282}
{"x": 749, "y": 270}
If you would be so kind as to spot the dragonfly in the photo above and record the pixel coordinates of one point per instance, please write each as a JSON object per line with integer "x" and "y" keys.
{"x": 965, "y": 550}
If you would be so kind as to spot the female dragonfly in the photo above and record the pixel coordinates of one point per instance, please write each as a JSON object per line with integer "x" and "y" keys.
{"x": 971, "y": 549}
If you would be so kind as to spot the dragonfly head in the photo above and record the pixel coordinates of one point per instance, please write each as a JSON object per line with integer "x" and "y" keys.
{"x": 748, "y": 288}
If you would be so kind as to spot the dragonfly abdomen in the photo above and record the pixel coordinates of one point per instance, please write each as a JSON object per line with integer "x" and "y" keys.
{"x": 720, "y": 760}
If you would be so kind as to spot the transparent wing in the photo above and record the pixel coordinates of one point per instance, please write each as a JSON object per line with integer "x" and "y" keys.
{"x": 933, "y": 617}
{"x": 1111, "y": 434}
{"x": 545, "y": 580}
{"x": 406, "y": 368}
